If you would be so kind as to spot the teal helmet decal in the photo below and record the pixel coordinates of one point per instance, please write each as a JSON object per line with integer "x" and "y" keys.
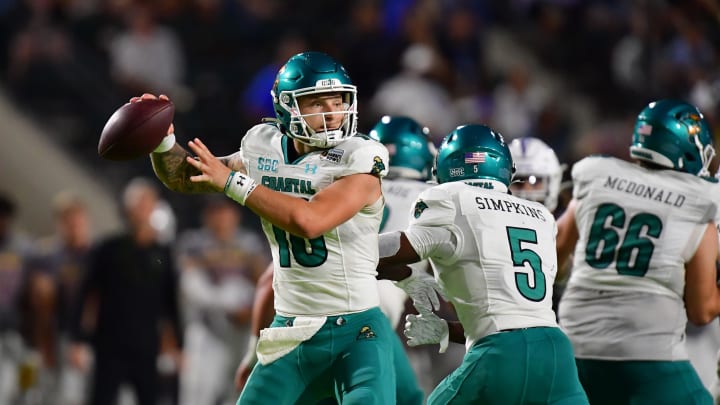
{"x": 474, "y": 152}
{"x": 313, "y": 73}
{"x": 408, "y": 144}
{"x": 673, "y": 134}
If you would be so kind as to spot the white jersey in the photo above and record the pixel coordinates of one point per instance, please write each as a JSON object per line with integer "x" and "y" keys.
{"x": 400, "y": 195}
{"x": 495, "y": 260}
{"x": 334, "y": 273}
{"x": 637, "y": 228}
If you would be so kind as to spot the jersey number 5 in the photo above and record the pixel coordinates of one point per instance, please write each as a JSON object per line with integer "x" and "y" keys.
{"x": 520, "y": 256}
{"x": 602, "y": 246}
{"x": 307, "y": 252}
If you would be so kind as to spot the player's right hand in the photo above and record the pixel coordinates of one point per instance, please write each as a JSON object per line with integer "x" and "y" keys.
{"x": 427, "y": 329}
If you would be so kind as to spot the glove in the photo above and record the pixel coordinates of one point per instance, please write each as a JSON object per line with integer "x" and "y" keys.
{"x": 426, "y": 329}
{"x": 422, "y": 289}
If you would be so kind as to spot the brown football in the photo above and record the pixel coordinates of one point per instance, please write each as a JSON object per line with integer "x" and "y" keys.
{"x": 135, "y": 129}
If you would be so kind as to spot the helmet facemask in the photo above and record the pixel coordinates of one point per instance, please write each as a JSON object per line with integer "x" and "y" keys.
{"x": 531, "y": 187}
{"x": 706, "y": 152}
{"x": 539, "y": 172}
{"x": 325, "y": 137}
{"x": 674, "y": 135}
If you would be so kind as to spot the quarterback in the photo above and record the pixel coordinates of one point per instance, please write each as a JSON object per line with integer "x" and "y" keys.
{"x": 316, "y": 187}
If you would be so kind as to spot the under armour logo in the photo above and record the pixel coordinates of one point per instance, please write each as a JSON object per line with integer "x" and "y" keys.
{"x": 240, "y": 181}
{"x": 310, "y": 168}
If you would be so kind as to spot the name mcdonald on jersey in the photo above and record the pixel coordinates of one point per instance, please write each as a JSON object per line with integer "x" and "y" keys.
{"x": 644, "y": 191}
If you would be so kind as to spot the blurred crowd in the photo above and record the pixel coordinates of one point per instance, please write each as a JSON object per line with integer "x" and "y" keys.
{"x": 142, "y": 314}
{"x": 70, "y": 63}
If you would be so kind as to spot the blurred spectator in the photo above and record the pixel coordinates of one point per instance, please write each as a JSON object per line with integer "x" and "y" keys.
{"x": 633, "y": 54}
{"x": 220, "y": 265}
{"x": 256, "y": 101}
{"x": 517, "y": 103}
{"x": 147, "y": 57}
{"x": 368, "y": 52}
{"x": 55, "y": 269}
{"x": 461, "y": 43}
{"x": 41, "y": 54}
{"x": 414, "y": 92}
{"x": 134, "y": 281}
{"x": 14, "y": 250}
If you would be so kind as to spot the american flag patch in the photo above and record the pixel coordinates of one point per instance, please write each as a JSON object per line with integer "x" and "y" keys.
{"x": 475, "y": 157}
{"x": 644, "y": 129}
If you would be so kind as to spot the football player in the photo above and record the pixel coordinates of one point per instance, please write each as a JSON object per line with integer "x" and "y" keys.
{"x": 645, "y": 246}
{"x": 538, "y": 174}
{"x": 494, "y": 257}
{"x": 316, "y": 187}
{"x": 538, "y": 177}
{"x": 410, "y": 162}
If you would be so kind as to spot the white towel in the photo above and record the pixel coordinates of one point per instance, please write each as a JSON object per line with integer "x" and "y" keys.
{"x": 274, "y": 343}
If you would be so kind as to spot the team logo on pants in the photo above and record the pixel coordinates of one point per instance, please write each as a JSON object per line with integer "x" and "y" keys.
{"x": 366, "y": 332}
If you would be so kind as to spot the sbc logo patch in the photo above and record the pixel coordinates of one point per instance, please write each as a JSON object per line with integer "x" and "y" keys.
{"x": 366, "y": 332}
{"x": 420, "y": 206}
{"x": 378, "y": 165}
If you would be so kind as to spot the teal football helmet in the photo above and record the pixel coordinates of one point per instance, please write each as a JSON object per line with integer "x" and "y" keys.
{"x": 673, "y": 134}
{"x": 411, "y": 151}
{"x": 313, "y": 73}
{"x": 474, "y": 152}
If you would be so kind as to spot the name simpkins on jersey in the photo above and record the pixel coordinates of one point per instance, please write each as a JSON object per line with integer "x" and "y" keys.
{"x": 487, "y": 203}
{"x": 644, "y": 191}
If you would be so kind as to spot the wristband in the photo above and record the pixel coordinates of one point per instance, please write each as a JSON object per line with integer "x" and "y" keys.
{"x": 167, "y": 143}
{"x": 239, "y": 186}
{"x": 250, "y": 358}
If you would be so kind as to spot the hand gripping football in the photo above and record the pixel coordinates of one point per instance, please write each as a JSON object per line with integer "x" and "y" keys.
{"x": 135, "y": 129}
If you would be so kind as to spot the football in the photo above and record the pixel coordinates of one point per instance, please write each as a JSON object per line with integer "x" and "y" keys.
{"x": 135, "y": 129}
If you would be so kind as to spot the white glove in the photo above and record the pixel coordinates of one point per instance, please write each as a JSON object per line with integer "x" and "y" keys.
{"x": 422, "y": 289}
{"x": 427, "y": 329}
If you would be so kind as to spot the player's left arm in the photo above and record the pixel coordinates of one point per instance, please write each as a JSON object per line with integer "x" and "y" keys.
{"x": 567, "y": 237}
{"x": 329, "y": 208}
{"x": 397, "y": 250}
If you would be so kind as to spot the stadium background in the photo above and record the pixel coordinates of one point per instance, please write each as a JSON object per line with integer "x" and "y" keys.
{"x": 573, "y": 73}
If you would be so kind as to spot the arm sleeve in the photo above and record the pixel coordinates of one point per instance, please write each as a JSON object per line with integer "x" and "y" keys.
{"x": 432, "y": 232}
{"x": 433, "y": 242}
